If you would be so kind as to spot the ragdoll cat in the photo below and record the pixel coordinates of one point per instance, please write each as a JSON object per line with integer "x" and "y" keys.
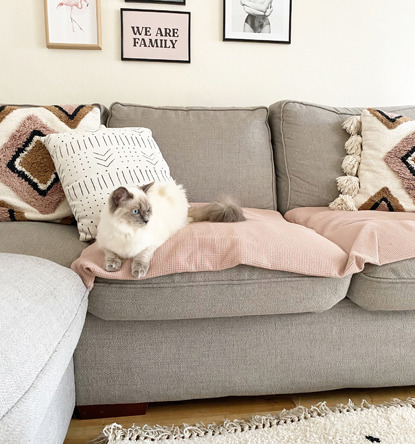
{"x": 138, "y": 220}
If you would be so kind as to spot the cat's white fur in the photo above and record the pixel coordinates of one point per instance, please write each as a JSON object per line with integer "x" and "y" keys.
{"x": 138, "y": 220}
{"x": 169, "y": 214}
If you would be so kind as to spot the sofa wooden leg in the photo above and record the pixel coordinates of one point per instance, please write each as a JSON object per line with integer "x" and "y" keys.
{"x": 110, "y": 410}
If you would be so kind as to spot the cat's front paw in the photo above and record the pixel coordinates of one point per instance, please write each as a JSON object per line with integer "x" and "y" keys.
{"x": 113, "y": 264}
{"x": 139, "y": 269}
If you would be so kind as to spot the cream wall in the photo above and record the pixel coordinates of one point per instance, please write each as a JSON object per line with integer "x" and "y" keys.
{"x": 353, "y": 52}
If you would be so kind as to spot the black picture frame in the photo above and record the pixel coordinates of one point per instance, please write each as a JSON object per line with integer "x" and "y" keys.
{"x": 167, "y": 2}
{"x": 184, "y": 41}
{"x": 228, "y": 35}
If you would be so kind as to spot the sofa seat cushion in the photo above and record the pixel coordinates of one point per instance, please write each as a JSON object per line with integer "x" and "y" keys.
{"x": 385, "y": 287}
{"x": 42, "y": 312}
{"x": 57, "y": 243}
{"x": 238, "y": 291}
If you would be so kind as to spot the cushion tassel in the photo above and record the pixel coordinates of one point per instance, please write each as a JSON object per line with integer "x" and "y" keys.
{"x": 350, "y": 165}
{"x": 343, "y": 203}
{"x": 348, "y": 185}
{"x": 354, "y": 145}
{"x": 353, "y": 125}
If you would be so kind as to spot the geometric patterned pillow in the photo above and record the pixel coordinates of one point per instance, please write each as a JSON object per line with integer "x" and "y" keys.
{"x": 381, "y": 172}
{"x": 29, "y": 185}
{"x": 387, "y": 169}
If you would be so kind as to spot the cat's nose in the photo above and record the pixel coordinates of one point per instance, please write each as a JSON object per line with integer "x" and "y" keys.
{"x": 145, "y": 219}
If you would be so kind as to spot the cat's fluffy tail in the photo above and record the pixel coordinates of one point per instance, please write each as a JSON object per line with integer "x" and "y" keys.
{"x": 224, "y": 210}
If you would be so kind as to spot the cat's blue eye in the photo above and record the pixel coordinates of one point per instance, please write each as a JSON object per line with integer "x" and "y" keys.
{"x": 135, "y": 211}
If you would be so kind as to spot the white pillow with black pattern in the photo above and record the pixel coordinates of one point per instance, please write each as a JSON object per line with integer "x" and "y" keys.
{"x": 91, "y": 165}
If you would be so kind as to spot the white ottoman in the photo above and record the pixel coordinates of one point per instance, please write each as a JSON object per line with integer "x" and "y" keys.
{"x": 42, "y": 312}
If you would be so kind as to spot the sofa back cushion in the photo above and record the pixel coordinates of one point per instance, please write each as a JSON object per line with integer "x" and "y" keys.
{"x": 308, "y": 142}
{"x": 211, "y": 151}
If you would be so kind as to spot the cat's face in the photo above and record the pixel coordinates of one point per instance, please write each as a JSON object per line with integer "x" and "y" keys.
{"x": 132, "y": 208}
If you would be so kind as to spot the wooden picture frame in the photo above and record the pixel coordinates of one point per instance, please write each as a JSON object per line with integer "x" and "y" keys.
{"x": 73, "y": 24}
{"x": 155, "y": 35}
{"x": 169, "y": 2}
{"x": 262, "y": 21}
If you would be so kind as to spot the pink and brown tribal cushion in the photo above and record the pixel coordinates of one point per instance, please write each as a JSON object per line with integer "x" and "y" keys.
{"x": 380, "y": 163}
{"x": 30, "y": 188}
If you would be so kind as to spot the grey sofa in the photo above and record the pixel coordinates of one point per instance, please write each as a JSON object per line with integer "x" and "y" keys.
{"x": 242, "y": 331}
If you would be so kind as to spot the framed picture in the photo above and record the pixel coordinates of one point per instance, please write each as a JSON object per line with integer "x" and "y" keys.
{"x": 257, "y": 20}
{"x": 158, "y": 36}
{"x": 171, "y": 2}
{"x": 73, "y": 24}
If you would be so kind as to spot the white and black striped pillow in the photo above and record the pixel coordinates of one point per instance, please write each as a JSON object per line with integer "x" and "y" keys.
{"x": 91, "y": 165}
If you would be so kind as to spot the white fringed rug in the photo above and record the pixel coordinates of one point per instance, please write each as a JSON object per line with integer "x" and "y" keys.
{"x": 392, "y": 423}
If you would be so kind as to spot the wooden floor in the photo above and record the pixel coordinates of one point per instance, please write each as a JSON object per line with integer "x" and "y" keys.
{"x": 216, "y": 410}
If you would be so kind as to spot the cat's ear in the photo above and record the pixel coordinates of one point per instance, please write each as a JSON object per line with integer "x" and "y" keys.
{"x": 146, "y": 187}
{"x": 119, "y": 197}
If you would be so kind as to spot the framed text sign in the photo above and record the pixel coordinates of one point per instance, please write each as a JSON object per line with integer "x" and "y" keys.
{"x": 162, "y": 36}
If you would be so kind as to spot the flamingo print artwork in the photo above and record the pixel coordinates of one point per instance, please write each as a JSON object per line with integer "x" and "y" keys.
{"x": 73, "y": 4}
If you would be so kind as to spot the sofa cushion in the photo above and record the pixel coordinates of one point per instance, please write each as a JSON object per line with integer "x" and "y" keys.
{"x": 386, "y": 167}
{"x": 385, "y": 287}
{"x": 211, "y": 150}
{"x": 57, "y": 243}
{"x": 43, "y": 308}
{"x": 30, "y": 188}
{"x": 104, "y": 111}
{"x": 97, "y": 163}
{"x": 306, "y": 139}
{"x": 238, "y": 291}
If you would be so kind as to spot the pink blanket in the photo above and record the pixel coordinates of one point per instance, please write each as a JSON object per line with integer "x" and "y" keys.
{"x": 265, "y": 240}
{"x": 375, "y": 237}
{"x": 312, "y": 241}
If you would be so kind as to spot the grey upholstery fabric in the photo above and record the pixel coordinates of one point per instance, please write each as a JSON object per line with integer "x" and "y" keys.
{"x": 211, "y": 151}
{"x": 239, "y": 291}
{"x": 385, "y": 287}
{"x": 345, "y": 346}
{"x": 308, "y": 142}
{"x": 58, "y": 416}
{"x": 57, "y": 243}
{"x": 43, "y": 307}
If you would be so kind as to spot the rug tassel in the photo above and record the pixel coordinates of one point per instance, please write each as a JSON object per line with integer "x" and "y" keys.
{"x": 116, "y": 432}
